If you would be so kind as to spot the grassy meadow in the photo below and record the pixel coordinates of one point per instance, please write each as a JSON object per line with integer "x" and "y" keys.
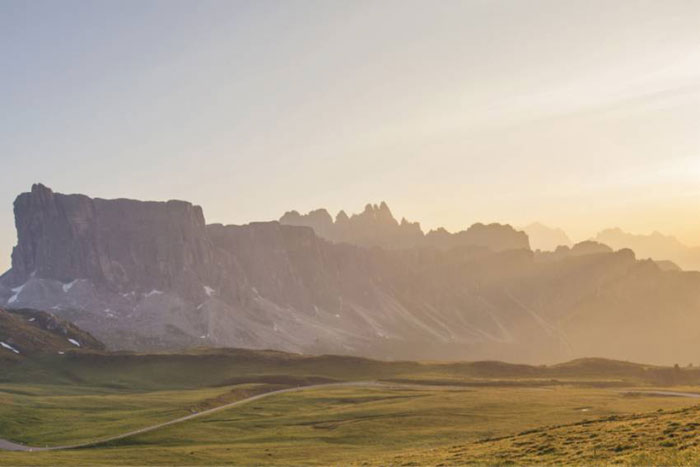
{"x": 428, "y": 413}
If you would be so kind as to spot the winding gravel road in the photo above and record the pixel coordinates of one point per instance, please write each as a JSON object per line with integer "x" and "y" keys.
{"x": 10, "y": 446}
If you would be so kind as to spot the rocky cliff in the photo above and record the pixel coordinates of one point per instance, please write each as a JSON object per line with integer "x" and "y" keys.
{"x": 120, "y": 245}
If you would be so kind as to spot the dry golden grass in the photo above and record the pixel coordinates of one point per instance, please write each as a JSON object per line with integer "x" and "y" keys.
{"x": 656, "y": 438}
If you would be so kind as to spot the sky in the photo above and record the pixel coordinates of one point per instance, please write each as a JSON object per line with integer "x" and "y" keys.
{"x": 577, "y": 114}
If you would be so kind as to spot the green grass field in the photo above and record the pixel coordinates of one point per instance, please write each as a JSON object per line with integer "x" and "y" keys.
{"x": 461, "y": 413}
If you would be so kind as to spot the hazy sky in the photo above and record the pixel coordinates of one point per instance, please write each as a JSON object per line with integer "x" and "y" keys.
{"x": 579, "y": 114}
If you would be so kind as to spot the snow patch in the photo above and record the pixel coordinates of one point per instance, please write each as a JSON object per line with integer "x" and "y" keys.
{"x": 68, "y": 286}
{"x": 74, "y": 342}
{"x": 31, "y": 320}
{"x": 61, "y": 353}
{"x": 9, "y": 347}
{"x": 17, "y": 291}
{"x": 208, "y": 290}
{"x": 153, "y": 292}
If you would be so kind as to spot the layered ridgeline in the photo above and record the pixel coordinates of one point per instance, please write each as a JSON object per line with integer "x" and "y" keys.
{"x": 664, "y": 248}
{"x": 147, "y": 275}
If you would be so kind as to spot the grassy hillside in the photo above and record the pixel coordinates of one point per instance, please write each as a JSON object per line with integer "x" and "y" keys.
{"x": 30, "y": 332}
{"x": 221, "y": 367}
{"x": 385, "y": 425}
{"x": 661, "y": 437}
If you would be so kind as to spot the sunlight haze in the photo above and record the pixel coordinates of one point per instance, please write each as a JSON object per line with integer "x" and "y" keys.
{"x": 579, "y": 115}
{"x": 350, "y": 232}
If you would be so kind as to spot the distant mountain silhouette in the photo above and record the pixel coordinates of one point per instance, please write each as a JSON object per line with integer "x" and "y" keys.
{"x": 585, "y": 248}
{"x": 546, "y": 238}
{"x": 376, "y": 226}
{"x": 655, "y": 246}
{"x": 666, "y": 265}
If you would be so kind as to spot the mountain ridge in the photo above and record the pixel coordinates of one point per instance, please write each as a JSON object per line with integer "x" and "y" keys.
{"x": 376, "y": 226}
{"x": 656, "y": 245}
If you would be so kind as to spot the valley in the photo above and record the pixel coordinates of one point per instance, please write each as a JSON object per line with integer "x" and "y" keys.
{"x": 330, "y": 409}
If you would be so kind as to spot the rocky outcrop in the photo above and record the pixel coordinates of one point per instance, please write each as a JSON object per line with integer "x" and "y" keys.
{"x": 377, "y": 227}
{"x": 120, "y": 245}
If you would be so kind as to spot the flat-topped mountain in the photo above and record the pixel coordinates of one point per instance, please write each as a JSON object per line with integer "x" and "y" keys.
{"x": 120, "y": 245}
{"x": 376, "y": 226}
{"x": 152, "y": 275}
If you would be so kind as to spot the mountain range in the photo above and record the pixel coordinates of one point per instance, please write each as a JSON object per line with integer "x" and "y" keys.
{"x": 376, "y": 226}
{"x": 667, "y": 251}
{"x": 655, "y": 245}
{"x": 153, "y": 275}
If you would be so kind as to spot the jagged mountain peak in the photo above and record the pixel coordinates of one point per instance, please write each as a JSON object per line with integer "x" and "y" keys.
{"x": 377, "y": 226}
{"x": 341, "y": 217}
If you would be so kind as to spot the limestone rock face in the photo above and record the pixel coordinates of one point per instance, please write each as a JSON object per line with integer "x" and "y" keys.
{"x": 121, "y": 245}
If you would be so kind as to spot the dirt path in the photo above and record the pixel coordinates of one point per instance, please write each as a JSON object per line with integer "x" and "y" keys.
{"x": 10, "y": 446}
{"x": 692, "y": 395}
